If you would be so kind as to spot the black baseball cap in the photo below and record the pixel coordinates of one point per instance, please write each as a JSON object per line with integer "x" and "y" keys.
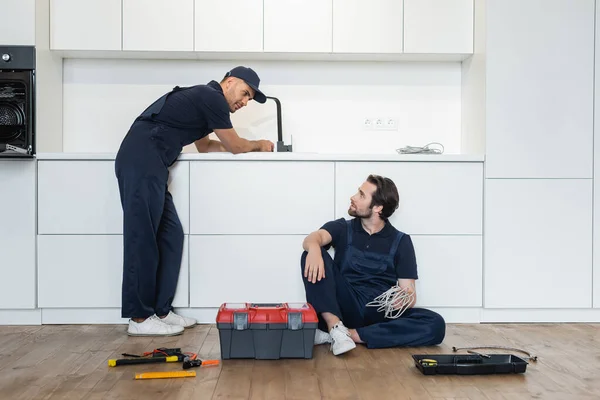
{"x": 251, "y": 78}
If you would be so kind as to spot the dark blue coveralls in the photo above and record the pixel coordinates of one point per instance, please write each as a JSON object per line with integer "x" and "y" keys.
{"x": 152, "y": 232}
{"x": 365, "y": 266}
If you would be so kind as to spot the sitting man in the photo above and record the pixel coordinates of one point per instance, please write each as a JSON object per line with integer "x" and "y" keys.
{"x": 371, "y": 280}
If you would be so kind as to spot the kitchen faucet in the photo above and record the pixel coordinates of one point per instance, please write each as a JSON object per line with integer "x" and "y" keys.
{"x": 280, "y": 146}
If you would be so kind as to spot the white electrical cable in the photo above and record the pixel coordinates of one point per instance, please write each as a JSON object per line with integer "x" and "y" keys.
{"x": 393, "y": 301}
{"x": 421, "y": 150}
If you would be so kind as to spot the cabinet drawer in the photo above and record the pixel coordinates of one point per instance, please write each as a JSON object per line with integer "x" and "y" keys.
{"x": 241, "y": 268}
{"x": 86, "y": 271}
{"x": 260, "y": 197}
{"x": 82, "y": 197}
{"x": 450, "y": 270}
{"x": 435, "y": 198}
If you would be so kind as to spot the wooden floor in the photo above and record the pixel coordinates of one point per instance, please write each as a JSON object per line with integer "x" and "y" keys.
{"x": 70, "y": 362}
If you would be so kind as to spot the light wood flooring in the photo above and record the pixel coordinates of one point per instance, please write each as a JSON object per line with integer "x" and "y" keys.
{"x": 70, "y": 362}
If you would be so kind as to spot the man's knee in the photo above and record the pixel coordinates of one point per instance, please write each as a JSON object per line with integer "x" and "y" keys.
{"x": 438, "y": 328}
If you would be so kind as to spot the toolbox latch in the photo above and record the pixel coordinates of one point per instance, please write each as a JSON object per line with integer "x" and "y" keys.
{"x": 294, "y": 321}
{"x": 240, "y": 321}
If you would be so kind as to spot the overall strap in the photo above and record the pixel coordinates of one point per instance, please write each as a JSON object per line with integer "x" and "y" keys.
{"x": 349, "y": 235}
{"x": 395, "y": 244}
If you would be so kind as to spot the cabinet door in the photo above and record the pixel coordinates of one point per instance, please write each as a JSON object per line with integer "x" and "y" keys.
{"x": 298, "y": 26}
{"x": 450, "y": 270}
{"x": 246, "y": 268}
{"x": 17, "y": 234}
{"x": 538, "y": 243}
{"x": 435, "y": 198}
{"x": 244, "y": 25}
{"x": 86, "y": 271}
{"x": 85, "y": 25}
{"x": 158, "y": 25}
{"x": 260, "y": 197}
{"x": 539, "y": 89}
{"x": 367, "y": 27}
{"x": 82, "y": 197}
{"x": 18, "y": 23}
{"x": 438, "y": 26}
{"x": 596, "y": 253}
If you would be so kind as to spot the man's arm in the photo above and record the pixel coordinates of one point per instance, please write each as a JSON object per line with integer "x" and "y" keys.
{"x": 408, "y": 285}
{"x": 314, "y": 268}
{"x": 406, "y": 268}
{"x": 233, "y": 143}
{"x": 316, "y": 240}
{"x": 205, "y": 145}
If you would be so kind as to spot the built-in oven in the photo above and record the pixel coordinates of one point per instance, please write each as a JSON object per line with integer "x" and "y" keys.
{"x": 17, "y": 101}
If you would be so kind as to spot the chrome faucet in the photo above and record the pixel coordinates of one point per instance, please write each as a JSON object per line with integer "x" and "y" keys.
{"x": 281, "y": 147}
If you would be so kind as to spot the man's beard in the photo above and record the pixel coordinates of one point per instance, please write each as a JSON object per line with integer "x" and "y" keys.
{"x": 354, "y": 213}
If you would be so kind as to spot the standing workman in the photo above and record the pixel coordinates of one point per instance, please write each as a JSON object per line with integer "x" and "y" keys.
{"x": 152, "y": 233}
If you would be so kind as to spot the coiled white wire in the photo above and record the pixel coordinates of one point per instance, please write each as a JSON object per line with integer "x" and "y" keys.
{"x": 394, "y": 301}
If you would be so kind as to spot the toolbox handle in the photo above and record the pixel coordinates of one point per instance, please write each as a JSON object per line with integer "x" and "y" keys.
{"x": 269, "y": 305}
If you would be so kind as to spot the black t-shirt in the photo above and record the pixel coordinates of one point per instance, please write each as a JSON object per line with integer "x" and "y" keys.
{"x": 202, "y": 108}
{"x": 185, "y": 115}
{"x": 380, "y": 242}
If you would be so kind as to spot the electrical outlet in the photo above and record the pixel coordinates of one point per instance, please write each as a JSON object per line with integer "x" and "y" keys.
{"x": 380, "y": 124}
{"x": 390, "y": 124}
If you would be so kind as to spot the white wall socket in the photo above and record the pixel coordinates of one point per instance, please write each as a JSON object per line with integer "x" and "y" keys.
{"x": 380, "y": 124}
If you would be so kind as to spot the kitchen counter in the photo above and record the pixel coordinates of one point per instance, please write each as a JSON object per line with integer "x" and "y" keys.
{"x": 283, "y": 157}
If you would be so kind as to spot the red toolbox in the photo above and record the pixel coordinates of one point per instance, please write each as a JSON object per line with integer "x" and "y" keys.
{"x": 266, "y": 331}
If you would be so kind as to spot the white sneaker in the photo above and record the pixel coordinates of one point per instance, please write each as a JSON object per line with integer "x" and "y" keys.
{"x": 153, "y": 326}
{"x": 341, "y": 340}
{"x": 322, "y": 337}
{"x": 178, "y": 320}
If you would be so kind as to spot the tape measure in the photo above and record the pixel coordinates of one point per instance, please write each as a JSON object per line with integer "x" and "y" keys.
{"x": 166, "y": 374}
{"x": 428, "y": 362}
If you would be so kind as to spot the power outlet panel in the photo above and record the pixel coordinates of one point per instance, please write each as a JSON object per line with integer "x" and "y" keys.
{"x": 380, "y": 124}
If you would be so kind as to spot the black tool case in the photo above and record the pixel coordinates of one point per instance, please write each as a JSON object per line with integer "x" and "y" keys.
{"x": 469, "y": 364}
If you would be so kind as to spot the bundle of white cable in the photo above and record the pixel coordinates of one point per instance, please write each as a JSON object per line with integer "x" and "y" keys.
{"x": 394, "y": 301}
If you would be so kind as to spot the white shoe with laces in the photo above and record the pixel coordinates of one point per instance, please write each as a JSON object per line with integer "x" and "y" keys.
{"x": 322, "y": 337}
{"x": 341, "y": 340}
{"x": 153, "y": 326}
{"x": 178, "y": 320}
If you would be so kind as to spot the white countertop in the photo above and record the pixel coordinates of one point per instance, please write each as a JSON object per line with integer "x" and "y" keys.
{"x": 283, "y": 157}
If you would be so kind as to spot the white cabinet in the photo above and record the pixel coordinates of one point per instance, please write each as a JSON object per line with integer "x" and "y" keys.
{"x": 260, "y": 197}
{"x": 82, "y": 197}
{"x": 538, "y": 243}
{"x": 246, "y": 268}
{"x": 17, "y": 234}
{"x": 450, "y": 270}
{"x": 596, "y": 220}
{"x": 435, "y": 198}
{"x": 298, "y": 26}
{"x": 224, "y": 26}
{"x": 367, "y": 27}
{"x": 86, "y": 271}
{"x": 158, "y": 25}
{"x": 539, "y": 88}
{"x": 439, "y": 26}
{"x": 18, "y": 22}
{"x": 85, "y": 25}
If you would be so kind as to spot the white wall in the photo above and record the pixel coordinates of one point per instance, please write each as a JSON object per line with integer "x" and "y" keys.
{"x": 324, "y": 104}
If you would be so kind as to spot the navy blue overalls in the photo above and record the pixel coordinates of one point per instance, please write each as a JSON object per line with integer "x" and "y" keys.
{"x": 363, "y": 276}
{"x": 152, "y": 232}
